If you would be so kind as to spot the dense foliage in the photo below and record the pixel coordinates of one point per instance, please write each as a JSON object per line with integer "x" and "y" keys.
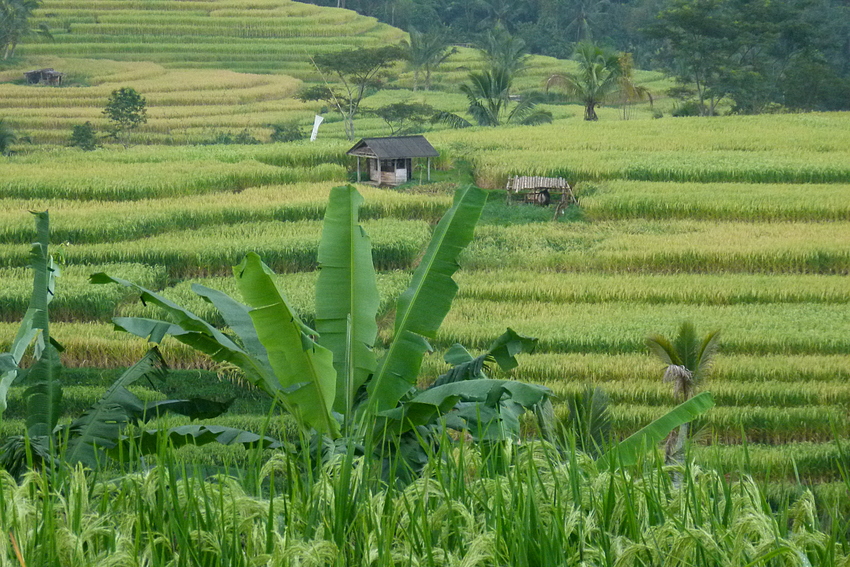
{"x": 758, "y": 53}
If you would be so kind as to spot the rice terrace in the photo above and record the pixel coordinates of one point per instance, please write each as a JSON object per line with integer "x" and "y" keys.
{"x": 265, "y": 299}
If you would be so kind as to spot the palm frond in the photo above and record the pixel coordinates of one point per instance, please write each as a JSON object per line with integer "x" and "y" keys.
{"x": 451, "y": 119}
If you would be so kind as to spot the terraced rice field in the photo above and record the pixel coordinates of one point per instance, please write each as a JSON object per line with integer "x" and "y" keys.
{"x": 266, "y": 36}
{"x": 214, "y": 67}
{"x": 767, "y": 263}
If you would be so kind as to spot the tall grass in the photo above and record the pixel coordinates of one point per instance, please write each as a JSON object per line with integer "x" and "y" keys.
{"x": 538, "y": 510}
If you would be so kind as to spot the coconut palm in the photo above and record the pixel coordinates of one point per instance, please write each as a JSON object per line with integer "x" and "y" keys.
{"x": 599, "y": 79}
{"x": 689, "y": 360}
{"x": 15, "y": 24}
{"x": 7, "y": 137}
{"x": 427, "y": 52}
{"x": 504, "y": 52}
{"x": 490, "y": 105}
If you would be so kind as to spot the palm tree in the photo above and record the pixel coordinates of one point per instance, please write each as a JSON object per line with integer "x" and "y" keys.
{"x": 489, "y": 103}
{"x": 504, "y": 52}
{"x": 629, "y": 90}
{"x": 427, "y": 52}
{"x": 689, "y": 360}
{"x": 15, "y": 24}
{"x": 7, "y": 137}
{"x": 599, "y": 79}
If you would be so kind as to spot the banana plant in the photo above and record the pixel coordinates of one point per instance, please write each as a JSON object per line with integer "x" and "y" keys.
{"x": 103, "y": 426}
{"x": 330, "y": 378}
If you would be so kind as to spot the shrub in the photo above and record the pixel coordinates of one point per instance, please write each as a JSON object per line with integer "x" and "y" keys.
{"x": 83, "y": 137}
{"x": 287, "y": 132}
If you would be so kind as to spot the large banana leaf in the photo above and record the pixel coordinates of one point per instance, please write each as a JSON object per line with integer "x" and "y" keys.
{"x": 43, "y": 395}
{"x": 100, "y": 426}
{"x": 148, "y": 441}
{"x": 303, "y": 368}
{"x": 347, "y": 295}
{"x": 193, "y": 331}
{"x": 423, "y": 306}
{"x": 237, "y": 318}
{"x": 630, "y": 450}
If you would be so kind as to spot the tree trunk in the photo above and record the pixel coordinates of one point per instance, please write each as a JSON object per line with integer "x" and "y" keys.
{"x": 427, "y": 78}
{"x": 415, "y": 79}
{"x": 590, "y": 112}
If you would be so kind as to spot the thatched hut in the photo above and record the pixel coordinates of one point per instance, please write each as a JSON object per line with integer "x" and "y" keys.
{"x": 390, "y": 160}
{"x": 44, "y": 76}
{"x": 539, "y": 190}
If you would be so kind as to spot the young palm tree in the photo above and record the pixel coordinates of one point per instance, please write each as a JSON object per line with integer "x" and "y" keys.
{"x": 7, "y": 137}
{"x": 629, "y": 90}
{"x": 427, "y": 52}
{"x": 599, "y": 79}
{"x": 489, "y": 103}
{"x": 689, "y": 359}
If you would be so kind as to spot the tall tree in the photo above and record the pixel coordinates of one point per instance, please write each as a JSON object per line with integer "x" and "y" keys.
{"x": 15, "y": 24}
{"x": 355, "y": 71}
{"x": 428, "y": 50}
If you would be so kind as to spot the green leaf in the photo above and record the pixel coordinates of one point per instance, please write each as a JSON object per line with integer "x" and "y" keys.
{"x": 147, "y": 442}
{"x": 502, "y": 351}
{"x": 423, "y": 306}
{"x": 193, "y": 331}
{"x": 43, "y": 395}
{"x": 236, "y": 317}
{"x": 194, "y": 408}
{"x": 303, "y": 368}
{"x": 214, "y": 344}
{"x": 489, "y": 409}
{"x": 347, "y": 291}
{"x": 100, "y": 426}
{"x": 630, "y": 450}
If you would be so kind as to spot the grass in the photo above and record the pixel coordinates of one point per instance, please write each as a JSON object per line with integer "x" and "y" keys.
{"x": 537, "y": 509}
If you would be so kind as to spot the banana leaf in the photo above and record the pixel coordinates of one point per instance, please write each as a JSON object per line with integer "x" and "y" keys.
{"x": 43, "y": 395}
{"x": 100, "y": 426}
{"x": 629, "y": 451}
{"x": 502, "y": 351}
{"x": 347, "y": 295}
{"x": 488, "y": 409}
{"x": 147, "y": 442}
{"x": 193, "y": 331}
{"x": 237, "y": 318}
{"x": 303, "y": 368}
{"x": 423, "y": 306}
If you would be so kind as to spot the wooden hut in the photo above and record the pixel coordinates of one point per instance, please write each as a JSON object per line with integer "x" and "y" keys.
{"x": 44, "y": 76}
{"x": 389, "y": 161}
{"x": 540, "y": 190}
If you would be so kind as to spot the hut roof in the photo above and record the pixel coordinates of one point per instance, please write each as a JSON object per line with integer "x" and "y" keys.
{"x": 526, "y": 183}
{"x": 394, "y": 147}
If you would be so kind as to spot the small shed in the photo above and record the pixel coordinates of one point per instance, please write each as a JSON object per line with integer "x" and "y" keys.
{"x": 540, "y": 190}
{"x": 390, "y": 160}
{"x": 45, "y": 76}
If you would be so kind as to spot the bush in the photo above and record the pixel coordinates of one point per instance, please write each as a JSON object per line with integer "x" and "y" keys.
{"x": 83, "y": 137}
{"x": 226, "y": 138}
{"x": 687, "y": 108}
{"x": 287, "y": 132}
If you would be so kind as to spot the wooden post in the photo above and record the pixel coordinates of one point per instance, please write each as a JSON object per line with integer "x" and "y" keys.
{"x": 380, "y": 174}
{"x": 358, "y": 169}
{"x": 429, "y": 169}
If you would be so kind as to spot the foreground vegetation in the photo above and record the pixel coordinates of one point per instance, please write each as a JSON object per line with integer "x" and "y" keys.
{"x": 539, "y": 507}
